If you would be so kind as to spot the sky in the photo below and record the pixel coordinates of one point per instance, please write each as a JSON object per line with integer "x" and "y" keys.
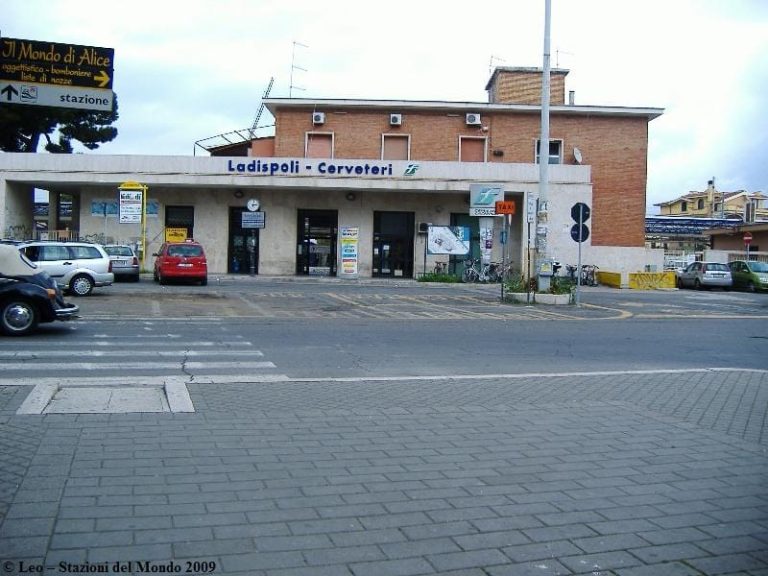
{"x": 187, "y": 71}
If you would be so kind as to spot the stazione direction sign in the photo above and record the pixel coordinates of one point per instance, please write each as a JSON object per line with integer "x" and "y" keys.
{"x": 52, "y": 74}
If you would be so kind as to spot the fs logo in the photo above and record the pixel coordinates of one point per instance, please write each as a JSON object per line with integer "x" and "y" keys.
{"x": 486, "y": 196}
{"x": 411, "y": 170}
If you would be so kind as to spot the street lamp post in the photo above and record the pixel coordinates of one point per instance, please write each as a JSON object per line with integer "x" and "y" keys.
{"x": 543, "y": 266}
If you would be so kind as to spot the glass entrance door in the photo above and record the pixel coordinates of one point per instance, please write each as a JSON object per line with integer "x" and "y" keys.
{"x": 316, "y": 242}
{"x": 393, "y": 234}
{"x": 243, "y": 245}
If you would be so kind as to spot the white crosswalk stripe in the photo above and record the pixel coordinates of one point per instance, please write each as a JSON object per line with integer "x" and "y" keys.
{"x": 128, "y": 374}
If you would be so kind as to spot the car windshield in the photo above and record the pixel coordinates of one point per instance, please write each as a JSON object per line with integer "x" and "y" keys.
{"x": 118, "y": 250}
{"x": 185, "y": 250}
{"x": 761, "y": 267}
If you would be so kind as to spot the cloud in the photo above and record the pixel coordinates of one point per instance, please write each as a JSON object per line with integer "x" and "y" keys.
{"x": 185, "y": 72}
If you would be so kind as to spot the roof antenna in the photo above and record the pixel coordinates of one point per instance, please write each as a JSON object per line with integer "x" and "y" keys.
{"x": 557, "y": 56}
{"x": 294, "y": 67}
{"x": 490, "y": 64}
{"x": 255, "y": 125}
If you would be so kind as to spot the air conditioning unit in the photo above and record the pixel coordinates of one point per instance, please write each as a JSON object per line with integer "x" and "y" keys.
{"x": 473, "y": 119}
{"x": 424, "y": 227}
{"x": 318, "y": 118}
{"x": 395, "y": 119}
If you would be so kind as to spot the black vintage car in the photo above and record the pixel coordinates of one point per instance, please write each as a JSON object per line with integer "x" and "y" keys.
{"x": 28, "y": 296}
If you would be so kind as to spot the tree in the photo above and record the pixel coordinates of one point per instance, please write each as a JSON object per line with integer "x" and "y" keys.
{"x": 21, "y": 127}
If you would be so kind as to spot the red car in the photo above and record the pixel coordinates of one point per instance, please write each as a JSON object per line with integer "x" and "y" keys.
{"x": 181, "y": 261}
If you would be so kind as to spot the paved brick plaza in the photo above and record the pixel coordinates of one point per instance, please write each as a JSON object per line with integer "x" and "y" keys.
{"x": 629, "y": 474}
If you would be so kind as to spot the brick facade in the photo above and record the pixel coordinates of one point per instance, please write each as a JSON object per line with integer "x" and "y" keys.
{"x": 615, "y": 147}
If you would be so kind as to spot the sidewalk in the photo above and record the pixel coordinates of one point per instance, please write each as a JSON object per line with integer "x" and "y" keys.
{"x": 630, "y": 474}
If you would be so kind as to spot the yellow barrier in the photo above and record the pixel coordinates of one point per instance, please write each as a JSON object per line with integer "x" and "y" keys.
{"x": 651, "y": 280}
{"x": 612, "y": 279}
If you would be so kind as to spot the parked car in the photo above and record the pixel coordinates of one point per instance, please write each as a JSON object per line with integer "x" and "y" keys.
{"x": 28, "y": 295}
{"x": 125, "y": 263}
{"x": 181, "y": 261}
{"x": 705, "y": 275}
{"x": 77, "y": 267}
{"x": 749, "y": 275}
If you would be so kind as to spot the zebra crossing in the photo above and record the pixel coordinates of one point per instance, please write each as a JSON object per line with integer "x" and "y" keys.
{"x": 129, "y": 373}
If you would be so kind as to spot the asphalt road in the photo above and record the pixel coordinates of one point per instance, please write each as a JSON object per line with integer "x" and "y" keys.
{"x": 327, "y": 329}
{"x": 284, "y": 428}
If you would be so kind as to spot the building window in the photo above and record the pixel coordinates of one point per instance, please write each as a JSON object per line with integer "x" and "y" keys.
{"x": 471, "y": 149}
{"x": 395, "y": 147}
{"x": 684, "y": 206}
{"x": 555, "y": 151}
{"x": 319, "y": 145}
{"x": 700, "y": 204}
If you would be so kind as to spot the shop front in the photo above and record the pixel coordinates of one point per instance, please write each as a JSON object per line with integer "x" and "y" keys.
{"x": 293, "y": 216}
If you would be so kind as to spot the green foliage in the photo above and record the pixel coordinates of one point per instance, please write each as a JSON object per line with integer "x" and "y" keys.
{"x": 561, "y": 285}
{"x": 21, "y": 128}
{"x": 435, "y": 277}
{"x": 518, "y": 284}
{"x": 557, "y": 285}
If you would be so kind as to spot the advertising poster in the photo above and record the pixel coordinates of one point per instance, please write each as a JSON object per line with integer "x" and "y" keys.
{"x": 486, "y": 239}
{"x": 448, "y": 240}
{"x": 130, "y": 206}
{"x": 350, "y": 237}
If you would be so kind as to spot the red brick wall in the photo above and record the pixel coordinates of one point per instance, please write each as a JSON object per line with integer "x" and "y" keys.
{"x": 616, "y": 148}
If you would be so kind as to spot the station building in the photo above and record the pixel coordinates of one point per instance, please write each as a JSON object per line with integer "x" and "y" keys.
{"x": 350, "y": 187}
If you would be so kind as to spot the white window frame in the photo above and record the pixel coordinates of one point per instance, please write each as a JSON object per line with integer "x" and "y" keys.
{"x": 559, "y": 156}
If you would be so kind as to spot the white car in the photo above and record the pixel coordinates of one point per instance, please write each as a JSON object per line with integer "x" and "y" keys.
{"x": 125, "y": 263}
{"x": 77, "y": 267}
{"x": 705, "y": 275}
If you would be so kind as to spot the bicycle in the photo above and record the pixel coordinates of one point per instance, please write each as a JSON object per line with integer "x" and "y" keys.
{"x": 505, "y": 272}
{"x": 470, "y": 273}
{"x": 589, "y": 275}
{"x": 488, "y": 273}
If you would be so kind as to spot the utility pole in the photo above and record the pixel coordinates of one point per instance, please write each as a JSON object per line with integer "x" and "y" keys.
{"x": 543, "y": 264}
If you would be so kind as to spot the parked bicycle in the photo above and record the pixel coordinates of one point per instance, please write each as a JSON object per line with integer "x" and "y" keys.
{"x": 587, "y": 277}
{"x": 475, "y": 272}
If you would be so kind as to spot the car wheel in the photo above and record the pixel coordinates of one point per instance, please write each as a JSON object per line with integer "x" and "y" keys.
{"x": 697, "y": 284}
{"x": 17, "y": 318}
{"x": 160, "y": 279}
{"x": 750, "y": 286}
{"x": 204, "y": 281}
{"x": 155, "y": 277}
{"x": 81, "y": 285}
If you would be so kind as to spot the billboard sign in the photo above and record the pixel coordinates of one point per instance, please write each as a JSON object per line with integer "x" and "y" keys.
{"x": 448, "y": 240}
{"x": 53, "y": 74}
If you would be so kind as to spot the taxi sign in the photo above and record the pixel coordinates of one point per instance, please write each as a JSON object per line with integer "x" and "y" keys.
{"x": 505, "y": 207}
